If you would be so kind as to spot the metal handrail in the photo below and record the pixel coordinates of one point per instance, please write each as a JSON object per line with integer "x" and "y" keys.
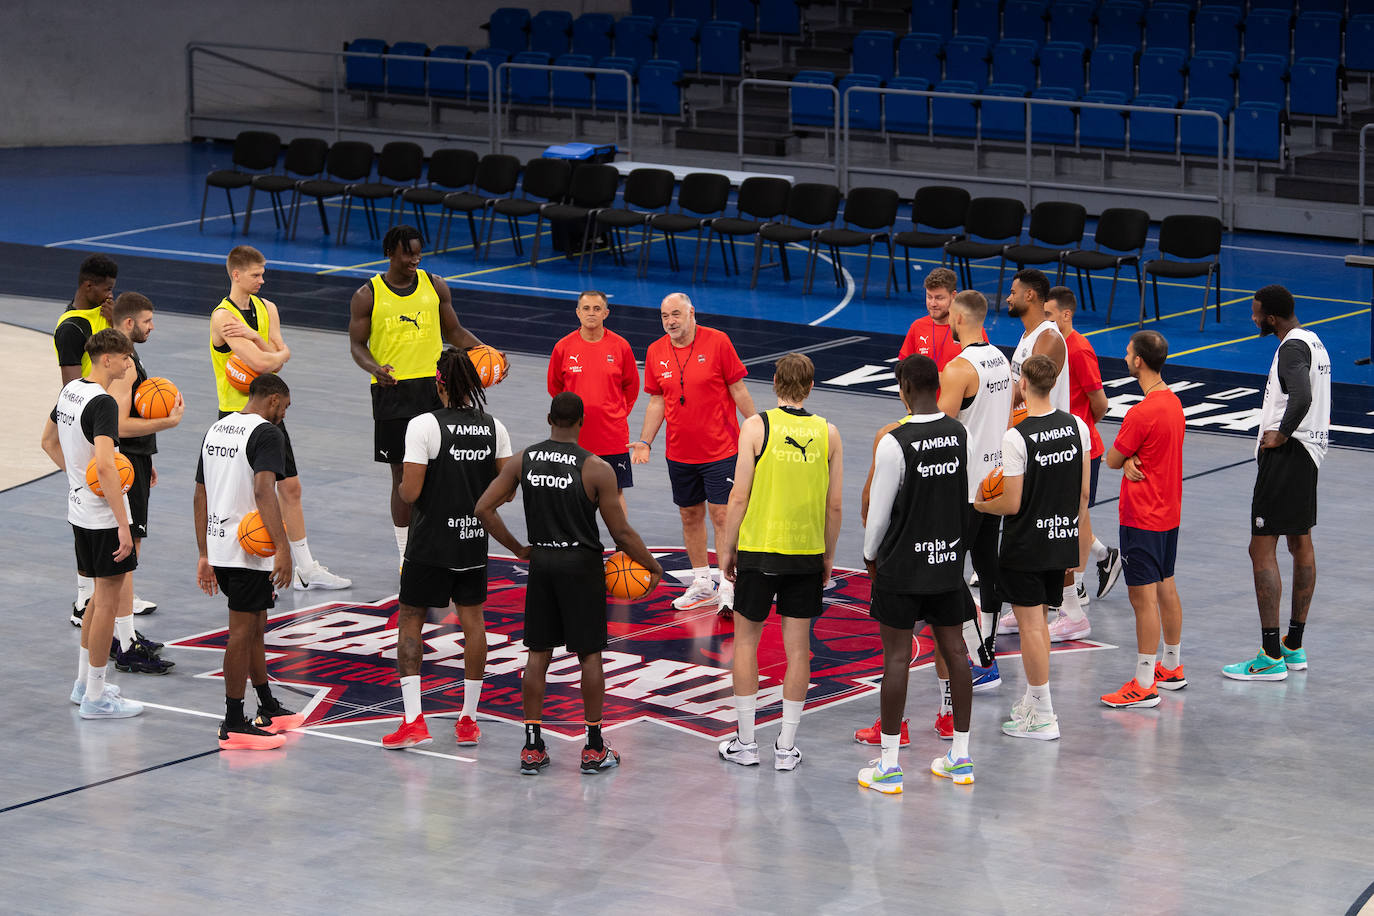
{"x": 841, "y": 175}
{"x": 631, "y": 103}
{"x": 1364, "y": 132}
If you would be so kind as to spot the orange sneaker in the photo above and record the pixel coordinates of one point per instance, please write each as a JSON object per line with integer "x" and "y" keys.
{"x": 1132, "y": 696}
{"x": 874, "y": 734}
{"x": 1169, "y": 678}
{"x": 278, "y": 719}
{"x": 410, "y": 734}
{"x": 247, "y": 737}
{"x": 466, "y": 732}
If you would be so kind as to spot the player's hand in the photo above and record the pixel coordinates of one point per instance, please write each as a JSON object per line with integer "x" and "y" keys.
{"x": 383, "y": 375}
{"x": 655, "y": 577}
{"x": 152, "y": 475}
{"x": 205, "y": 577}
{"x": 523, "y": 552}
{"x": 726, "y": 558}
{"x": 639, "y": 453}
{"x": 1131, "y": 469}
{"x": 126, "y": 543}
{"x": 829, "y": 566}
{"x": 281, "y": 569}
{"x": 1272, "y": 439}
{"x": 239, "y": 329}
{"x": 980, "y": 504}
{"x": 872, "y": 571}
{"x": 505, "y": 373}
{"x": 178, "y": 408}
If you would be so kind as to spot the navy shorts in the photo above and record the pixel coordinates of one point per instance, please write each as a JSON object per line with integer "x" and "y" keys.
{"x": 1147, "y": 557}
{"x": 1096, "y": 466}
{"x": 694, "y": 484}
{"x": 624, "y": 477}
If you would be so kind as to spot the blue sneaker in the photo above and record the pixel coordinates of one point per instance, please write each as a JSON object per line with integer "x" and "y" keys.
{"x": 1294, "y": 659}
{"x": 1259, "y": 668}
{"x": 888, "y": 782}
{"x": 946, "y": 767}
{"x": 79, "y": 691}
{"x": 984, "y": 678}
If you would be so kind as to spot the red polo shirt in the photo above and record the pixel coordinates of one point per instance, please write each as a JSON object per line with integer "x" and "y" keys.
{"x": 930, "y": 339}
{"x": 694, "y": 382}
{"x": 1085, "y": 377}
{"x": 603, "y": 373}
{"x": 1152, "y": 430}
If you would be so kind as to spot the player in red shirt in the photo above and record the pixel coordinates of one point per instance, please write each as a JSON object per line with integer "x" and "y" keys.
{"x": 598, "y": 366}
{"x": 696, "y": 382}
{"x": 1149, "y": 452}
{"x": 932, "y": 335}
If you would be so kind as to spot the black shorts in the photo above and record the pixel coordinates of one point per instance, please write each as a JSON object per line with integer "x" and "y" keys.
{"x": 95, "y": 549}
{"x": 246, "y": 590}
{"x": 941, "y": 609}
{"x": 1030, "y": 587}
{"x": 624, "y": 477}
{"x": 138, "y": 494}
{"x": 389, "y": 440}
{"x": 565, "y": 601}
{"x": 1147, "y": 557}
{"x": 1285, "y": 498}
{"x": 795, "y": 594}
{"x": 1096, "y": 466}
{"x": 423, "y": 585}
{"x": 289, "y": 455}
{"x": 694, "y": 484}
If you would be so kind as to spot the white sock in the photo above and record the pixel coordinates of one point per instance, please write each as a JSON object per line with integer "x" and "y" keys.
{"x": 891, "y": 744}
{"x": 402, "y": 535}
{"x": 960, "y": 748}
{"x": 410, "y": 696}
{"x": 791, "y": 718}
{"x": 83, "y": 664}
{"x": 744, "y": 716}
{"x": 1072, "y": 607}
{"x": 124, "y": 632}
{"x": 1039, "y": 697}
{"x": 1098, "y": 551}
{"x": 972, "y": 641}
{"x": 1077, "y": 579}
{"x": 946, "y": 704}
{"x": 701, "y": 572}
{"x": 472, "y": 690}
{"x": 85, "y": 588}
{"x": 1145, "y": 670}
{"x": 300, "y": 554}
{"x": 1171, "y": 658}
{"x": 95, "y": 683}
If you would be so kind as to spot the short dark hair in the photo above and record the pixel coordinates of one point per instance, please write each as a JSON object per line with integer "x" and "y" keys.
{"x": 594, "y": 292}
{"x": 1064, "y": 296}
{"x": 1275, "y": 301}
{"x": 130, "y": 305}
{"x": 565, "y": 410}
{"x": 1035, "y": 280}
{"x": 1151, "y": 347}
{"x": 1039, "y": 373}
{"x": 400, "y": 235}
{"x": 266, "y": 385}
{"x": 110, "y": 340}
{"x": 97, "y": 267}
{"x": 918, "y": 374}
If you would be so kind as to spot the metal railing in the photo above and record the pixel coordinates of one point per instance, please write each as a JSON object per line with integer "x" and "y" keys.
{"x": 631, "y": 108}
{"x": 1364, "y": 134}
{"x": 840, "y": 175}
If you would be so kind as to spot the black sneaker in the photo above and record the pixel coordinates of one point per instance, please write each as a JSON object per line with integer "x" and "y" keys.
{"x": 594, "y": 761}
{"x": 151, "y": 645}
{"x": 247, "y": 737}
{"x": 277, "y": 718}
{"x": 79, "y": 612}
{"x": 138, "y": 660}
{"x": 1108, "y": 571}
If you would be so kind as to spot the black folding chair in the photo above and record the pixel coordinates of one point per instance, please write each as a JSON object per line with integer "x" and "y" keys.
{"x": 1192, "y": 237}
{"x": 760, "y": 200}
{"x": 943, "y": 209}
{"x": 304, "y": 159}
{"x": 591, "y": 188}
{"x": 997, "y": 220}
{"x": 449, "y": 170}
{"x": 399, "y": 167}
{"x": 1120, "y": 240}
{"x": 1056, "y": 228}
{"x": 700, "y": 200}
{"x": 647, "y": 193}
{"x": 544, "y": 181}
{"x": 348, "y": 162}
{"x": 497, "y": 177}
{"x": 255, "y": 151}
{"x": 811, "y": 207}
{"x": 871, "y": 212}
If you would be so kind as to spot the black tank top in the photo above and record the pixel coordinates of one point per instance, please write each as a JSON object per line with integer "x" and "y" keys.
{"x": 923, "y": 550}
{"x": 1044, "y": 534}
{"x": 444, "y": 531}
{"x": 558, "y": 513}
{"x": 138, "y": 445}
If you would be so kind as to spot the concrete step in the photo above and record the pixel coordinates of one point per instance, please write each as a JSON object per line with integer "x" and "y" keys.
{"x": 1300, "y": 187}
{"x": 832, "y": 59}
{"x": 1335, "y": 164}
{"x": 898, "y": 21}
{"x": 726, "y": 141}
{"x": 840, "y": 37}
{"x": 757, "y": 118}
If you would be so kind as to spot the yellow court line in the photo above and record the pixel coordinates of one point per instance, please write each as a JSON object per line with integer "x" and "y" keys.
{"x": 1306, "y": 324}
{"x": 1130, "y": 324}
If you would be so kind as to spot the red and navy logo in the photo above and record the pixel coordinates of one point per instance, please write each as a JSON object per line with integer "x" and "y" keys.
{"x": 662, "y": 665}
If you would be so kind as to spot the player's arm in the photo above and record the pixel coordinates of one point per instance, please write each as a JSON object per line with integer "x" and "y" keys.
{"x": 205, "y": 575}
{"x": 108, "y": 475}
{"x": 52, "y": 446}
{"x": 554, "y": 377}
{"x": 122, "y": 390}
{"x": 727, "y": 539}
{"x": 1051, "y": 345}
{"x": 744, "y": 401}
{"x": 359, "y": 330}
{"x": 958, "y": 381}
{"x": 597, "y": 475}
{"x": 450, "y": 328}
{"x": 70, "y": 344}
{"x": 275, "y": 341}
{"x": 412, "y": 481}
{"x": 629, "y": 379}
{"x": 1097, "y": 404}
{"x": 246, "y": 347}
{"x": 1013, "y": 478}
{"x": 653, "y": 419}
{"x": 502, "y": 490}
{"x": 888, "y": 468}
{"x": 1124, "y": 452}
{"x": 1295, "y": 366}
{"x": 834, "y": 497}
{"x": 265, "y": 497}
{"x": 868, "y": 484}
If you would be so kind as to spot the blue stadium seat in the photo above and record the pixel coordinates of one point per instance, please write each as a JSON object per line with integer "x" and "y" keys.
{"x": 813, "y": 106}
{"x": 1118, "y": 23}
{"x": 700, "y": 10}
{"x": 1061, "y": 66}
{"x": 1102, "y": 127}
{"x": 571, "y": 90}
{"x": 966, "y": 60}
{"x": 1024, "y": 19}
{"x": 954, "y": 117}
{"x": 509, "y": 29}
{"x": 1262, "y": 78}
{"x": 1111, "y": 68}
{"x": 1217, "y": 28}
{"x": 874, "y": 50}
{"x": 592, "y": 34}
{"x": 1359, "y": 43}
{"x": 1316, "y": 89}
{"x": 551, "y": 32}
{"x": 1053, "y": 123}
{"x": 634, "y": 37}
{"x": 907, "y": 114}
{"x": 1013, "y": 63}
{"x": 660, "y": 89}
{"x": 446, "y": 78}
{"x": 609, "y": 88}
{"x": 1268, "y": 32}
{"x": 406, "y": 77}
{"x": 1003, "y": 120}
{"x": 365, "y": 73}
{"x": 529, "y": 87}
{"x": 1198, "y": 136}
{"x": 933, "y": 17}
{"x": 1283, "y": 6}
{"x": 1169, "y": 25}
{"x": 479, "y": 78}
{"x": 657, "y": 10}
{"x": 1154, "y": 131}
{"x": 1161, "y": 72}
{"x": 780, "y": 17}
{"x": 1212, "y": 75}
{"x": 979, "y": 18}
{"x": 677, "y": 41}
{"x": 1317, "y": 35}
{"x": 865, "y": 110}
{"x": 1329, "y": 6}
{"x": 918, "y": 55}
{"x": 1072, "y": 20}
{"x": 1258, "y": 132}
{"x": 745, "y": 12}
{"x": 722, "y": 48}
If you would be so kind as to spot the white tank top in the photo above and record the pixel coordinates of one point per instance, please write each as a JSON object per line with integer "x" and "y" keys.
{"x": 1315, "y": 427}
{"x": 986, "y": 417}
{"x": 1059, "y": 394}
{"x": 84, "y": 508}
{"x": 229, "y": 490}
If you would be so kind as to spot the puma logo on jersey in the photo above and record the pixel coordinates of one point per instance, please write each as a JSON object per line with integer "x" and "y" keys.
{"x": 798, "y": 446}
{"x": 415, "y": 321}
{"x": 574, "y": 358}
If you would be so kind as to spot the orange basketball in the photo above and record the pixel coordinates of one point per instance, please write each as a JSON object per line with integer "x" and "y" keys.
{"x": 490, "y": 364}
{"x": 1018, "y": 413}
{"x": 625, "y": 578}
{"x": 253, "y": 536}
{"x": 238, "y": 373}
{"x": 991, "y": 487}
{"x": 126, "y": 475}
{"x": 154, "y": 398}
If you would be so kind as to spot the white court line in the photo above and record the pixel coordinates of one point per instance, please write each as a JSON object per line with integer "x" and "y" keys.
{"x": 848, "y": 289}
{"x": 176, "y": 225}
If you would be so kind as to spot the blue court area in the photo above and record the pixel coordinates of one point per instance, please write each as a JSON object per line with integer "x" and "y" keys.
{"x": 145, "y": 201}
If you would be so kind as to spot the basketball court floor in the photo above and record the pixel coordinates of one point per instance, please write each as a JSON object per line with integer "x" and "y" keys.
{"x": 1226, "y": 794}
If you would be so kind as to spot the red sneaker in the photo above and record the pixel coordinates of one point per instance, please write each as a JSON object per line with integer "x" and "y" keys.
{"x": 874, "y": 734}
{"x": 534, "y": 759}
{"x": 1132, "y": 696}
{"x": 944, "y": 726}
{"x": 1169, "y": 678}
{"x": 466, "y": 732}
{"x": 282, "y": 721}
{"x": 247, "y": 737}
{"x": 410, "y": 734}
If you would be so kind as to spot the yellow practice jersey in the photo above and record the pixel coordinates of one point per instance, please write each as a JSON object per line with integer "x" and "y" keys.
{"x": 405, "y": 329}
{"x": 786, "y": 513}
{"x": 93, "y": 317}
{"x": 230, "y": 398}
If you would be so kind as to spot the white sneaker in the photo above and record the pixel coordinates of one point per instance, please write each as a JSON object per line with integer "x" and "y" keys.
{"x": 318, "y": 577}
{"x": 1063, "y": 629}
{"x": 973, "y": 581}
{"x": 726, "y": 595}
{"x": 1034, "y": 724}
{"x": 702, "y": 593}
{"x": 786, "y": 758}
{"x": 144, "y": 607}
{"x": 110, "y": 707}
{"x": 746, "y": 755}
{"x": 1007, "y": 624}
{"x": 79, "y": 691}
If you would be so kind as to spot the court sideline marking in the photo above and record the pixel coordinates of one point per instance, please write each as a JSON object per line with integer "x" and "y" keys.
{"x": 92, "y": 785}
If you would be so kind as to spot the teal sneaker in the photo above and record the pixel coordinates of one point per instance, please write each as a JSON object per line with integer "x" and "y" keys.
{"x": 888, "y": 782}
{"x": 946, "y": 767}
{"x": 1259, "y": 668}
{"x": 1295, "y": 659}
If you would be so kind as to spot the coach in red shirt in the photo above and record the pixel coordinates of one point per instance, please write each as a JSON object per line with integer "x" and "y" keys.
{"x": 1149, "y": 452}
{"x": 695, "y": 381}
{"x": 932, "y": 335}
{"x": 597, "y": 365}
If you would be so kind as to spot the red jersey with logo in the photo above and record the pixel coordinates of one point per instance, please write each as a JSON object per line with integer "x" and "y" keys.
{"x": 1152, "y": 431}
{"x": 1085, "y": 377}
{"x": 694, "y": 381}
{"x": 930, "y": 339}
{"x": 604, "y": 375}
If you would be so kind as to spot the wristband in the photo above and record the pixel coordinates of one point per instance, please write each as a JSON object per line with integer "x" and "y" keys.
{"x": 643, "y": 443}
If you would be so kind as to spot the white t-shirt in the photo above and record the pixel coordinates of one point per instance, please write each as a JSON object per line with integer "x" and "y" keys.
{"x": 423, "y": 439}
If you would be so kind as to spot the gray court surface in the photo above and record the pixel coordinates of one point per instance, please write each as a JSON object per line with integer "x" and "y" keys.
{"x": 1226, "y": 798}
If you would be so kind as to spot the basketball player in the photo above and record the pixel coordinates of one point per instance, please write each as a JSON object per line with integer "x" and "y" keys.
{"x": 248, "y": 327}
{"x": 778, "y": 547}
{"x": 1295, "y": 423}
{"x": 242, "y": 460}
{"x": 84, "y": 427}
{"x": 597, "y": 365}
{"x": 932, "y": 334}
{"x": 695, "y": 381}
{"x": 1149, "y": 452}
{"x": 398, "y": 323}
{"x": 452, "y": 455}
{"x": 1045, "y": 492}
{"x": 563, "y": 485}
{"x": 914, "y": 545}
